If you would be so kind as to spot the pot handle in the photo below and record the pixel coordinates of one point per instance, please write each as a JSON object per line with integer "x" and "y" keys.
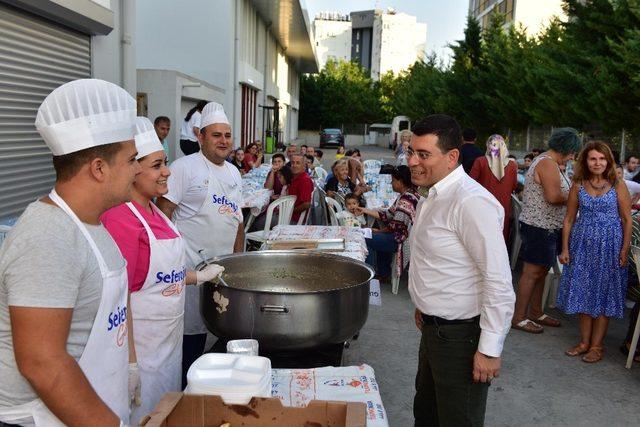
{"x": 274, "y": 309}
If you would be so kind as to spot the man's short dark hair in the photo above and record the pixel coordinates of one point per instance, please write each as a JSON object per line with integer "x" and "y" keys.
{"x": 444, "y": 127}
{"x": 529, "y": 156}
{"x": 319, "y": 153}
{"x": 161, "y": 119}
{"x": 309, "y": 157}
{"x": 68, "y": 165}
{"x": 304, "y": 145}
{"x": 629, "y": 157}
{"x": 349, "y": 153}
{"x": 469, "y": 134}
{"x": 278, "y": 156}
{"x": 537, "y": 150}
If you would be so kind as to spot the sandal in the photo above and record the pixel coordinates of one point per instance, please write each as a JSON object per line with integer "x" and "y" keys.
{"x": 528, "y": 325}
{"x": 579, "y": 349}
{"x": 593, "y": 355}
{"x": 548, "y": 321}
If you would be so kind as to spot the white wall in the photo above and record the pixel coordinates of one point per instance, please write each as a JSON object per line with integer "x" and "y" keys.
{"x": 194, "y": 37}
{"x": 403, "y": 42}
{"x": 535, "y": 15}
{"x": 333, "y": 40}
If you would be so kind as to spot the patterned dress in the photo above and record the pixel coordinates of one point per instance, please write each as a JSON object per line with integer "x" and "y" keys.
{"x": 593, "y": 282}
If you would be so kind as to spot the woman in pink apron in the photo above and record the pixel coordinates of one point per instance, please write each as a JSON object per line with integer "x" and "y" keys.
{"x": 156, "y": 268}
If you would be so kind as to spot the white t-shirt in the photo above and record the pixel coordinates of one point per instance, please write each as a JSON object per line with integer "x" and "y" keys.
{"x": 186, "y": 132}
{"x": 633, "y": 187}
{"x": 188, "y": 183}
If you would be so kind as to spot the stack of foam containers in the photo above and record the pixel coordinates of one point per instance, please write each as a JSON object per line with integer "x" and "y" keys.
{"x": 235, "y": 378}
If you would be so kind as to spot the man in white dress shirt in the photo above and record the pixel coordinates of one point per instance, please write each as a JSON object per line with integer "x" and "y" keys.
{"x": 459, "y": 280}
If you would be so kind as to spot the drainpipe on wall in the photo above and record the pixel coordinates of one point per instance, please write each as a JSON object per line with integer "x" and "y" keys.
{"x": 265, "y": 78}
{"x": 128, "y": 63}
{"x": 236, "y": 44}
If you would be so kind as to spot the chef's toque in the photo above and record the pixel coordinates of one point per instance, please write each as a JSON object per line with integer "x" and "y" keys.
{"x": 213, "y": 113}
{"x": 147, "y": 140}
{"x": 86, "y": 113}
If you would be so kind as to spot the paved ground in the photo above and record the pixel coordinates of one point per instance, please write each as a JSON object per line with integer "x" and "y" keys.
{"x": 539, "y": 386}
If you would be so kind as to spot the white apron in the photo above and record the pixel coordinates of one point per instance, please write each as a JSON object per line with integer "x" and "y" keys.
{"x": 158, "y": 310}
{"x": 105, "y": 358}
{"x": 212, "y": 231}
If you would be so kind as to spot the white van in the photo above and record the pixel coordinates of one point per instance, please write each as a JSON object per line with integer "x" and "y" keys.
{"x": 398, "y": 124}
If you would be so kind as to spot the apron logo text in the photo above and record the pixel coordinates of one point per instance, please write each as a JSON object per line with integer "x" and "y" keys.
{"x": 226, "y": 205}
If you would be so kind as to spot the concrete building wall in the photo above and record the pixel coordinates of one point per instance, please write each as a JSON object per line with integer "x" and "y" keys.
{"x": 403, "y": 42}
{"x": 333, "y": 40}
{"x": 534, "y": 15}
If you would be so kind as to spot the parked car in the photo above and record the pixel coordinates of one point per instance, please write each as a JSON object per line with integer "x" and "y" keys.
{"x": 331, "y": 137}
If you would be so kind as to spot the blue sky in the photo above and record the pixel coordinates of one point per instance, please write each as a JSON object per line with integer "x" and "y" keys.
{"x": 445, "y": 18}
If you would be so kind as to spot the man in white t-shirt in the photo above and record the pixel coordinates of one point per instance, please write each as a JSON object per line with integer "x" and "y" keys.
{"x": 630, "y": 167}
{"x": 204, "y": 200}
{"x": 63, "y": 282}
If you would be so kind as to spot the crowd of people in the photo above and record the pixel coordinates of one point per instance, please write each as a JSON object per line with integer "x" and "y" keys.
{"x": 124, "y": 326}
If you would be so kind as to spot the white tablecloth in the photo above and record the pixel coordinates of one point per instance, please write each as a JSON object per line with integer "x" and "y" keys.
{"x": 297, "y": 387}
{"x": 254, "y": 195}
{"x": 355, "y": 245}
{"x": 381, "y": 195}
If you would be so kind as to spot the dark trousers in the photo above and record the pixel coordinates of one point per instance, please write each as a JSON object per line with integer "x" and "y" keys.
{"x": 192, "y": 348}
{"x": 189, "y": 147}
{"x": 381, "y": 246}
{"x": 445, "y": 392}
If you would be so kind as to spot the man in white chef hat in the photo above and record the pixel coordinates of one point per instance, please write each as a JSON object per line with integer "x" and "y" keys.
{"x": 204, "y": 200}
{"x": 63, "y": 283}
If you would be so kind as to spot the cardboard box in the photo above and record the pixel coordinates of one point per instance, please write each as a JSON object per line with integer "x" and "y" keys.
{"x": 182, "y": 410}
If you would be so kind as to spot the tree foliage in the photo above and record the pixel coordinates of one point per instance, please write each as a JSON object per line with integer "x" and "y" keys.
{"x": 583, "y": 73}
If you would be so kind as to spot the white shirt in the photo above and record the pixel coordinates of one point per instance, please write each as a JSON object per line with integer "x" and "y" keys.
{"x": 459, "y": 265}
{"x": 186, "y": 131}
{"x": 633, "y": 187}
{"x": 630, "y": 175}
{"x": 189, "y": 181}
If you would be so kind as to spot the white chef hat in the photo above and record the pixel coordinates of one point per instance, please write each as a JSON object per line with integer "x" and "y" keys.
{"x": 147, "y": 140}
{"x": 85, "y": 113}
{"x": 213, "y": 113}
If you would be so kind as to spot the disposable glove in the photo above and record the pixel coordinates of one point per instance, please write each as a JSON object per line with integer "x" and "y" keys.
{"x": 134, "y": 384}
{"x": 211, "y": 273}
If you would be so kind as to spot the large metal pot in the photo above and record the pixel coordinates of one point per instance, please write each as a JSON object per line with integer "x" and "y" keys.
{"x": 287, "y": 300}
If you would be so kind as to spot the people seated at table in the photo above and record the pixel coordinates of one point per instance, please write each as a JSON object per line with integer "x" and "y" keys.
{"x": 273, "y": 182}
{"x": 350, "y": 217}
{"x": 340, "y": 153}
{"x": 545, "y": 195}
{"x": 632, "y": 186}
{"x": 301, "y": 186}
{"x": 236, "y": 159}
{"x": 308, "y": 163}
{"x": 356, "y": 171}
{"x": 596, "y": 238}
{"x": 252, "y": 157}
{"x": 498, "y": 173}
{"x": 396, "y": 225}
{"x": 339, "y": 182}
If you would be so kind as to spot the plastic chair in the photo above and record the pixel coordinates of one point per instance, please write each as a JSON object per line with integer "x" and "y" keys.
{"x": 320, "y": 173}
{"x": 635, "y": 253}
{"x": 339, "y": 198}
{"x": 285, "y": 210}
{"x": 516, "y": 209}
{"x": 304, "y": 216}
{"x": 551, "y": 283}
{"x": 334, "y": 208}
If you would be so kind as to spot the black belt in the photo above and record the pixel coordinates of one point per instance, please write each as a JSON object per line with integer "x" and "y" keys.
{"x": 435, "y": 320}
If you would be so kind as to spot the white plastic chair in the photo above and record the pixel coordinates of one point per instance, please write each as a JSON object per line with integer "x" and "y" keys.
{"x": 635, "y": 253}
{"x": 551, "y": 283}
{"x": 320, "y": 173}
{"x": 334, "y": 208}
{"x": 339, "y": 198}
{"x": 516, "y": 209}
{"x": 285, "y": 210}
{"x": 304, "y": 216}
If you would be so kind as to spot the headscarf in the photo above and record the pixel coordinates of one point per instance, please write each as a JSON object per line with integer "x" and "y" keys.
{"x": 497, "y": 155}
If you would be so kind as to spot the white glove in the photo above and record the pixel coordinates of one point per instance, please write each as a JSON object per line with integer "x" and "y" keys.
{"x": 211, "y": 273}
{"x": 134, "y": 384}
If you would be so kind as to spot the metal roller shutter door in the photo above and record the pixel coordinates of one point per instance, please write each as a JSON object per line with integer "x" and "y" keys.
{"x": 36, "y": 56}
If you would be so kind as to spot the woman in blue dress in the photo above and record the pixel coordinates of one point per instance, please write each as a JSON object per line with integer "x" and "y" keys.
{"x": 595, "y": 248}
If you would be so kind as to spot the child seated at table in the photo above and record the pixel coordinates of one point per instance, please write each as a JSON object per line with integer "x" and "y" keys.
{"x": 349, "y": 217}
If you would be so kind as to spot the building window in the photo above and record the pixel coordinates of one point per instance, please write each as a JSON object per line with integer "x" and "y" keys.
{"x": 248, "y": 116}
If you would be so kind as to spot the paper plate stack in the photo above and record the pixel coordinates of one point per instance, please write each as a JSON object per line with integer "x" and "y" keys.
{"x": 233, "y": 377}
